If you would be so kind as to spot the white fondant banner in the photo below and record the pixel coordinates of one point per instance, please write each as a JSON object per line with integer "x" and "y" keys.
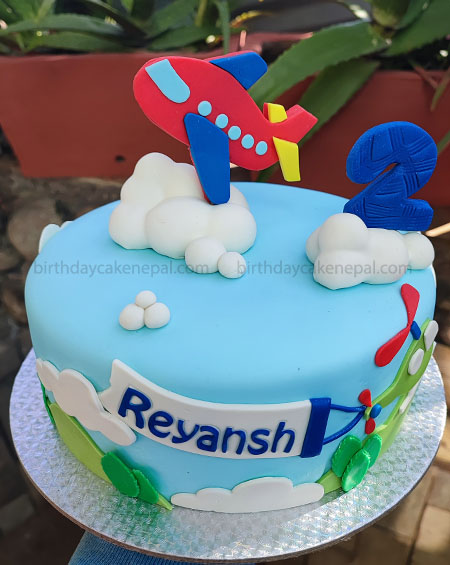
{"x": 236, "y": 431}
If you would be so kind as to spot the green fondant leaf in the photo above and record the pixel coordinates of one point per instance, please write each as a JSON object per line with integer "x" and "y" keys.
{"x": 164, "y": 503}
{"x": 346, "y": 450}
{"x": 329, "y": 481}
{"x": 355, "y": 470}
{"x": 78, "y": 441}
{"x": 373, "y": 447}
{"x": 47, "y": 405}
{"x": 120, "y": 475}
{"x": 147, "y": 491}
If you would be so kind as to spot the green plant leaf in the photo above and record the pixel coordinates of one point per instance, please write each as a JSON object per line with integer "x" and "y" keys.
{"x": 356, "y": 10}
{"x": 7, "y": 14}
{"x": 327, "y": 47}
{"x": 172, "y": 15}
{"x": 122, "y": 19}
{"x": 202, "y": 9}
{"x": 74, "y": 41}
{"x": 181, "y": 37}
{"x": 142, "y": 10}
{"x": 443, "y": 143}
{"x": 343, "y": 80}
{"x": 388, "y": 12}
{"x": 224, "y": 17}
{"x": 415, "y": 8}
{"x": 65, "y": 22}
{"x": 123, "y": 6}
{"x": 23, "y": 8}
{"x": 4, "y": 49}
{"x": 47, "y": 7}
{"x": 433, "y": 24}
{"x": 441, "y": 88}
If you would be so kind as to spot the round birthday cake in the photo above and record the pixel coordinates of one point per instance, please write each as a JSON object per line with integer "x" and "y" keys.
{"x": 246, "y": 347}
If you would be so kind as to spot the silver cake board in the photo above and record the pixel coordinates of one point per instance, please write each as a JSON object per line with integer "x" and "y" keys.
{"x": 190, "y": 535}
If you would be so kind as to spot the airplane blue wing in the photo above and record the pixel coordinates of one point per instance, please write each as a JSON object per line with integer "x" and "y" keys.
{"x": 210, "y": 154}
{"x": 246, "y": 67}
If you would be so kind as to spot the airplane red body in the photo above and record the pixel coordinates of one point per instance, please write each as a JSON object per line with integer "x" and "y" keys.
{"x": 208, "y": 82}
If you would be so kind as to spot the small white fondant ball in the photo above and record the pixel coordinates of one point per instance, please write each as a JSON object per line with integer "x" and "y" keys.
{"x": 202, "y": 254}
{"x": 145, "y": 298}
{"x": 420, "y": 250}
{"x": 157, "y": 315}
{"x": 132, "y": 317}
{"x": 232, "y": 265}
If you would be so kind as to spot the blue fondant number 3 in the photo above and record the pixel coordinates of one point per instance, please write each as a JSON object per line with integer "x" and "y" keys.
{"x": 385, "y": 202}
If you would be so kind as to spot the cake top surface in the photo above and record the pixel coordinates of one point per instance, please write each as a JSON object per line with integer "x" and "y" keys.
{"x": 274, "y": 335}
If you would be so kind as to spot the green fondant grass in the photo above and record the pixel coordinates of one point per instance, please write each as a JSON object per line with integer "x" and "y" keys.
{"x": 120, "y": 475}
{"x": 330, "y": 481}
{"x": 47, "y": 405}
{"x": 147, "y": 491}
{"x": 78, "y": 441}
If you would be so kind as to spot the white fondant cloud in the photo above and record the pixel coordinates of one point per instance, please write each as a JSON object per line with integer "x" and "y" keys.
{"x": 346, "y": 253}
{"x": 48, "y": 232}
{"x": 257, "y": 495}
{"x": 78, "y": 397}
{"x": 163, "y": 207}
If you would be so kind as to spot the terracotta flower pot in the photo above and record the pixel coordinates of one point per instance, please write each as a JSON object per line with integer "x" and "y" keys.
{"x": 387, "y": 96}
{"x": 75, "y": 115}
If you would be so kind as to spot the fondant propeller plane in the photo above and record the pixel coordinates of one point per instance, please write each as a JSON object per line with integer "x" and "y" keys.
{"x": 205, "y": 104}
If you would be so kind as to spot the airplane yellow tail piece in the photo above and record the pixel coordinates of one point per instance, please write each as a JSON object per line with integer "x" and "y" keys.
{"x": 287, "y": 151}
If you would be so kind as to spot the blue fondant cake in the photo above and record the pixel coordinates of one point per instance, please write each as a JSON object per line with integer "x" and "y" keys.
{"x": 237, "y": 348}
{"x": 240, "y": 401}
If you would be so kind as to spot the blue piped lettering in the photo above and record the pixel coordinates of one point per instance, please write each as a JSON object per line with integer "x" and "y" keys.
{"x": 127, "y": 404}
{"x": 208, "y": 438}
{"x": 263, "y": 444}
{"x": 229, "y": 432}
{"x": 208, "y": 441}
{"x": 280, "y": 432}
{"x": 160, "y": 419}
{"x": 184, "y": 437}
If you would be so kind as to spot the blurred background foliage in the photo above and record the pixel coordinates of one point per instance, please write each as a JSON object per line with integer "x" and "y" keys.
{"x": 372, "y": 35}
{"x": 113, "y": 25}
{"x": 392, "y": 34}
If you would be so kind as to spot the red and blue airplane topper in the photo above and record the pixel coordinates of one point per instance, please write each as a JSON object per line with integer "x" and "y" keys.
{"x": 204, "y": 104}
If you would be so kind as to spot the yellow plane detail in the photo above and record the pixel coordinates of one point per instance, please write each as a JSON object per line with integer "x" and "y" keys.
{"x": 288, "y": 155}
